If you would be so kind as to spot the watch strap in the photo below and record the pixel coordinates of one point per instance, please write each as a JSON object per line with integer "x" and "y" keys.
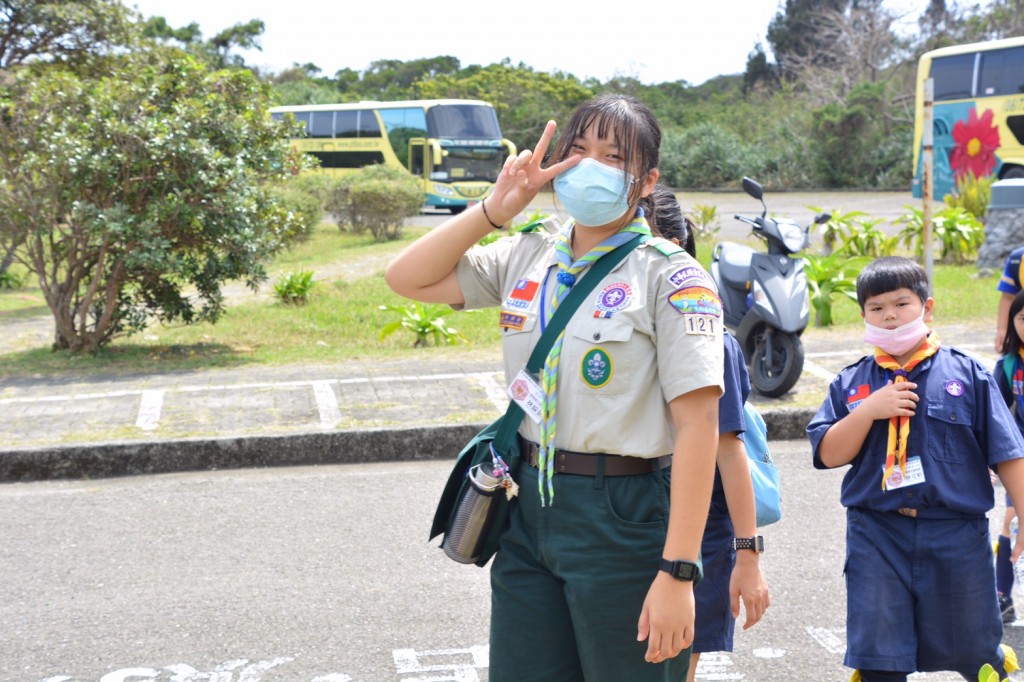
{"x": 681, "y": 570}
{"x": 755, "y": 543}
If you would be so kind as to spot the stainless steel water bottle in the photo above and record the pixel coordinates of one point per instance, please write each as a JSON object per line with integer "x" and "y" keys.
{"x": 473, "y": 515}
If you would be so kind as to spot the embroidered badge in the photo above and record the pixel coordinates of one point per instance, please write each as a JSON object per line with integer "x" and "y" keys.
{"x": 954, "y": 387}
{"x": 696, "y": 301}
{"x": 522, "y": 294}
{"x": 854, "y": 396}
{"x": 596, "y": 368}
{"x": 512, "y": 321}
{"x": 689, "y": 277}
{"x": 614, "y": 298}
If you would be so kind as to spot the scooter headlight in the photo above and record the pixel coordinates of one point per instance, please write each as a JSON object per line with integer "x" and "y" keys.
{"x": 792, "y": 236}
{"x": 761, "y": 299}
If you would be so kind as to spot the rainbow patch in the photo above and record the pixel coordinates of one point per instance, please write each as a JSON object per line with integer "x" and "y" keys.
{"x": 696, "y": 301}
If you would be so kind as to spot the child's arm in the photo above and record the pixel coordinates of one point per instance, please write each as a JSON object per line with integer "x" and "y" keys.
{"x": 1002, "y": 319}
{"x": 844, "y": 439}
{"x": 747, "y": 581}
{"x": 1011, "y": 473}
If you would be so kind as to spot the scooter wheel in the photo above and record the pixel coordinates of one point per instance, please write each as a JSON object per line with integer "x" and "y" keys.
{"x": 773, "y": 376}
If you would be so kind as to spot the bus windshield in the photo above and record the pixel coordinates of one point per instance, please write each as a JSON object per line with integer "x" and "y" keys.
{"x": 461, "y": 163}
{"x": 463, "y": 121}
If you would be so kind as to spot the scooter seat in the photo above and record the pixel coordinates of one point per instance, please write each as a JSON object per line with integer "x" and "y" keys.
{"x": 734, "y": 263}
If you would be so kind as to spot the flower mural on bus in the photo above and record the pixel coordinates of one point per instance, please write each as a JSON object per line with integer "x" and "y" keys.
{"x": 976, "y": 141}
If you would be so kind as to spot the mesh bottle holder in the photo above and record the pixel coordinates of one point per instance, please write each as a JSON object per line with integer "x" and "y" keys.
{"x": 474, "y": 514}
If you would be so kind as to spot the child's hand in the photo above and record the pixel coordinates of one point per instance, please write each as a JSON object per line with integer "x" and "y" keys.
{"x": 893, "y": 400}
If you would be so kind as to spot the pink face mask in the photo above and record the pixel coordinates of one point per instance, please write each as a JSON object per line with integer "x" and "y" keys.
{"x": 899, "y": 340}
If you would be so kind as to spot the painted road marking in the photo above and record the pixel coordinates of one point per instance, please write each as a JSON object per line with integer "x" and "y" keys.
{"x": 717, "y": 666}
{"x": 818, "y": 371}
{"x": 495, "y": 392}
{"x": 150, "y": 407}
{"x": 326, "y": 404}
{"x": 460, "y": 665}
{"x": 832, "y": 639}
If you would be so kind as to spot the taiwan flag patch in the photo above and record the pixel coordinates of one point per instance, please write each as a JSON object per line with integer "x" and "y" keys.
{"x": 524, "y": 290}
{"x": 854, "y": 396}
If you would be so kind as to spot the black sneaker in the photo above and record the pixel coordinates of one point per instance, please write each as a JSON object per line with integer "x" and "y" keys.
{"x": 1006, "y": 608}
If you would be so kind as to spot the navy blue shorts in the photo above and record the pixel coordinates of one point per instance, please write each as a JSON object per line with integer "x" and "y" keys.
{"x": 715, "y": 625}
{"x": 920, "y": 594}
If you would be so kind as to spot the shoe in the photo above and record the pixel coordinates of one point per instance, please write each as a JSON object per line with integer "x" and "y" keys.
{"x": 1006, "y": 609}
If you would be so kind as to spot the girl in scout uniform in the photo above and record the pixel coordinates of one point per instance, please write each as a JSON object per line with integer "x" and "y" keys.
{"x": 730, "y": 550}
{"x": 1009, "y": 374}
{"x": 594, "y": 578}
{"x": 920, "y": 425}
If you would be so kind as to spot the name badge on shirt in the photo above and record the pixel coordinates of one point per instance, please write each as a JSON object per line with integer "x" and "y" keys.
{"x": 528, "y": 394}
{"x": 915, "y": 475}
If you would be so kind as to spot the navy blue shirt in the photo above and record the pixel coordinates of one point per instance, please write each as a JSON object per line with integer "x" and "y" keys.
{"x": 736, "y": 383}
{"x": 1009, "y": 283}
{"x": 961, "y": 428}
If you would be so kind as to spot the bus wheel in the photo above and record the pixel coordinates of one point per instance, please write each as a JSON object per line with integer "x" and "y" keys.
{"x": 1015, "y": 172}
{"x": 456, "y": 210}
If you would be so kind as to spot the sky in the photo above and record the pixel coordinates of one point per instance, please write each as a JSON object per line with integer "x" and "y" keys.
{"x": 689, "y": 40}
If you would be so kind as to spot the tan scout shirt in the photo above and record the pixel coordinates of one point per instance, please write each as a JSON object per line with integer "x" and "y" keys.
{"x": 652, "y": 322}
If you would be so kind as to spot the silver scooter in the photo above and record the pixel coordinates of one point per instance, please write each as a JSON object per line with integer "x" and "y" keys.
{"x": 764, "y": 296}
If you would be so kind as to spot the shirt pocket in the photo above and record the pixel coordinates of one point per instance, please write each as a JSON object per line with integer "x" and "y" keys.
{"x": 597, "y": 357}
{"x": 947, "y": 438}
{"x": 517, "y": 334}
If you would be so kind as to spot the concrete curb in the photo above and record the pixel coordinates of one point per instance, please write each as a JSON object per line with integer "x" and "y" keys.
{"x": 126, "y": 458}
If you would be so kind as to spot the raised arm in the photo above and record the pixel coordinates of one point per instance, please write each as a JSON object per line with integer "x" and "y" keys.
{"x": 425, "y": 270}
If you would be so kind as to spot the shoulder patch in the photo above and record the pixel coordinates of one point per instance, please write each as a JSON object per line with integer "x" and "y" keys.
{"x": 664, "y": 246}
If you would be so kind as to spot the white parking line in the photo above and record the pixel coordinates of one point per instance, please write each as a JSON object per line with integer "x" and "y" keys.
{"x": 150, "y": 407}
{"x": 326, "y": 404}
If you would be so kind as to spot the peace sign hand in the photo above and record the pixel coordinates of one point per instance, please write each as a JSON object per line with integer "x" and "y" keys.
{"x": 522, "y": 177}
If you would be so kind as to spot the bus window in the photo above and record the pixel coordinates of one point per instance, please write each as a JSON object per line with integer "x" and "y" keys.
{"x": 303, "y": 117}
{"x": 416, "y": 159}
{"x": 346, "y": 124}
{"x": 368, "y": 126}
{"x": 348, "y": 159}
{"x": 462, "y": 121}
{"x": 953, "y": 76}
{"x": 1002, "y": 72}
{"x": 322, "y": 124}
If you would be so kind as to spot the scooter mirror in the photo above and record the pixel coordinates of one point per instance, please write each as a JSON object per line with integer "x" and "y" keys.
{"x": 753, "y": 188}
{"x": 822, "y": 218}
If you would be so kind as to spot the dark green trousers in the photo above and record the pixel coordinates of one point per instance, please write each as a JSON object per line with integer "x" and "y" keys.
{"x": 569, "y": 581}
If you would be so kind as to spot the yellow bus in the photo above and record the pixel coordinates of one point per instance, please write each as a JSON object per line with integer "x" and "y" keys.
{"x": 454, "y": 146}
{"x": 978, "y": 117}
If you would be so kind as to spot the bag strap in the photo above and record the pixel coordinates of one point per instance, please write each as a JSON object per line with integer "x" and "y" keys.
{"x": 514, "y": 415}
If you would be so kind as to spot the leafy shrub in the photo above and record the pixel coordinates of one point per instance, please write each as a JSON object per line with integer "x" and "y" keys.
{"x": 956, "y": 229}
{"x": 12, "y": 280}
{"x": 830, "y": 276}
{"x": 706, "y": 155}
{"x": 705, "y": 221}
{"x": 425, "y": 321}
{"x": 376, "y": 198}
{"x": 294, "y": 288}
{"x": 536, "y": 219}
{"x": 971, "y": 194}
{"x": 300, "y": 204}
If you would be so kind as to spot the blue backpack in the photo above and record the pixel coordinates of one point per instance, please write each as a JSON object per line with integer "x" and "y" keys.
{"x": 763, "y": 472}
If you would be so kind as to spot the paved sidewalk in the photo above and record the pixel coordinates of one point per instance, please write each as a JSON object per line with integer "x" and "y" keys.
{"x": 352, "y": 412}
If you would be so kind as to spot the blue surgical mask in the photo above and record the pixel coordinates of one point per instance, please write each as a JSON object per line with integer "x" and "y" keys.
{"x": 593, "y": 193}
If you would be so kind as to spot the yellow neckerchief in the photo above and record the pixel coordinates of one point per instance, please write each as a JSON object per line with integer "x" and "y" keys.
{"x": 899, "y": 427}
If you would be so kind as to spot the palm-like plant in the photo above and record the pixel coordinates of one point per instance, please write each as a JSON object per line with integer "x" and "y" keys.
{"x": 830, "y": 276}
{"x": 425, "y": 321}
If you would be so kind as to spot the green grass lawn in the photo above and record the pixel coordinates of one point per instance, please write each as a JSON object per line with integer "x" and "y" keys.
{"x": 342, "y": 321}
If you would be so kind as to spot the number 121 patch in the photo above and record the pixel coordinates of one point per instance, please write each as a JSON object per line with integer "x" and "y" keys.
{"x": 701, "y": 308}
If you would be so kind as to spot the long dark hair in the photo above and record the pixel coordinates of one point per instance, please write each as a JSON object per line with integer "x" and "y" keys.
{"x": 634, "y": 128}
{"x": 1012, "y": 342}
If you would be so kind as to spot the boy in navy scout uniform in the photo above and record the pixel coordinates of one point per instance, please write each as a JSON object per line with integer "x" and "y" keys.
{"x": 920, "y": 425}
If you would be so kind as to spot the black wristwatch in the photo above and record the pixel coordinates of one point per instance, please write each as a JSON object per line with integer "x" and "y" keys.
{"x": 681, "y": 570}
{"x": 755, "y": 543}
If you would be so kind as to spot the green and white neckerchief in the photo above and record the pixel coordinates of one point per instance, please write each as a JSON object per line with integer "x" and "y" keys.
{"x": 568, "y": 271}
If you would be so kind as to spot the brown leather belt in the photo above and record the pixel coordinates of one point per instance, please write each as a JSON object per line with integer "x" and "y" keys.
{"x": 586, "y": 464}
